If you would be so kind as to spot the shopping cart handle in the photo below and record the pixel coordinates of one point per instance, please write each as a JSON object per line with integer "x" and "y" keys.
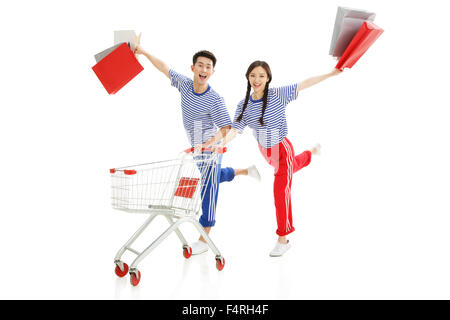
{"x": 219, "y": 150}
{"x": 127, "y": 172}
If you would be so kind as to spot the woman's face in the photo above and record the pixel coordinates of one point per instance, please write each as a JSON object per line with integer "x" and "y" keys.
{"x": 258, "y": 79}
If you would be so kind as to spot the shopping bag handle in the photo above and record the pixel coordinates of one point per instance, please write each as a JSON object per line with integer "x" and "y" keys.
{"x": 220, "y": 150}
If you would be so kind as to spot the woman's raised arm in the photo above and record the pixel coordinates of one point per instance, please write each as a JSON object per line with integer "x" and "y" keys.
{"x": 315, "y": 80}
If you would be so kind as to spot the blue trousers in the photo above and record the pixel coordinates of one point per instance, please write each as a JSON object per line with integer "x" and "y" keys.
{"x": 212, "y": 175}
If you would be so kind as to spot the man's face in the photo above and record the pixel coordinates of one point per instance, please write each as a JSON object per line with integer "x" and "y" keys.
{"x": 202, "y": 69}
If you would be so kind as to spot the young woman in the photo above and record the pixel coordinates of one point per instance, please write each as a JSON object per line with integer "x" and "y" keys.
{"x": 264, "y": 111}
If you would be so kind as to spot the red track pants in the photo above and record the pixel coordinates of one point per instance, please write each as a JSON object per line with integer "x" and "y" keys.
{"x": 285, "y": 163}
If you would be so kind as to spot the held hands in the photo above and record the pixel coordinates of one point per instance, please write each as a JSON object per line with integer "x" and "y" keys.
{"x": 216, "y": 148}
{"x": 208, "y": 147}
{"x": 199, "y": 148}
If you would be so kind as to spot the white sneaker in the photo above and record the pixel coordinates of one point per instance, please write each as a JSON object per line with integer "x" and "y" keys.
{"x": 199, "y": 247}
{"x": 316, "y": 149}
{"x": 254, "y": 173}
{"x": 280, "y": 249}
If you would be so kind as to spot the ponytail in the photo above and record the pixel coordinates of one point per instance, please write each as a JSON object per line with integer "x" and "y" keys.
{"x": 266, "y": 95}
{"x": 247, "y": 96}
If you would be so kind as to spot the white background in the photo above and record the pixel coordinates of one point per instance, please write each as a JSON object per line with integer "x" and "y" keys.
{"x": 371, "y": 214}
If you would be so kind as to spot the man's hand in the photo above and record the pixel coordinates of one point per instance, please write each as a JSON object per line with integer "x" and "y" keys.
{"x": 198, "y": 149}
{"x": 139, "y": 50}
{"x": 216, "y": 148}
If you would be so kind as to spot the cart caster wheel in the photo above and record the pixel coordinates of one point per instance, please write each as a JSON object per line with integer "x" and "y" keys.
{"x": 135, "y": 279}
{"x": 220, "y": 263}
{"x": 187, "y": 252}
{"x": 121, "y": 273}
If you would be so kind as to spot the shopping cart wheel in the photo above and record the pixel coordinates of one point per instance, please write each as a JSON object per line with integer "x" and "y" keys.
{"x": 134, "y": 279}
{"x": 220, "y": 263}
{"x": 121, "y": 273}
{"x": 187, "y": 252}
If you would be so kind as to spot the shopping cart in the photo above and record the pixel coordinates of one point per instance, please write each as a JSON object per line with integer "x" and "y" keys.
{"x": 173, "y": 189}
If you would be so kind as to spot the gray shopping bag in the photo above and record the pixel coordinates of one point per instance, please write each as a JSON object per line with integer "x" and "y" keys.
{"x": 104, "y": 53}
{"x": 348, "y": 22}
{"x": 128, "y": 36}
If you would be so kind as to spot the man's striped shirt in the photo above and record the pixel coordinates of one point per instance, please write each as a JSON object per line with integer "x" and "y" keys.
{"x": 275, "y": 126}
{"x": 202, "y": 113}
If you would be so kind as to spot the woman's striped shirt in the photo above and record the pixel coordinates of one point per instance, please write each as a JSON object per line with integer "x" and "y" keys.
{"x": 203, "y": 112}
{"x": 275, "y": 126}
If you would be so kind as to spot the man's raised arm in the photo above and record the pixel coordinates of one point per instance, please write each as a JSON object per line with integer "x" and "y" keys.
{"x": 159, "y": 64}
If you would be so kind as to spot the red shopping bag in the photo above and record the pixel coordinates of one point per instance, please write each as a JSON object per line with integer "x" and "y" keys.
{"x": 363, "y": 39}
{"x": 117, "y": 69}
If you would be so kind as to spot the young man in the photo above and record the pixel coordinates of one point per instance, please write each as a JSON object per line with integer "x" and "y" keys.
{"x": 204, "y": 111}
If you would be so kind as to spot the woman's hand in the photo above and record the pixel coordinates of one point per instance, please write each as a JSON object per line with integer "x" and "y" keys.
{"x": 336, "y": 71}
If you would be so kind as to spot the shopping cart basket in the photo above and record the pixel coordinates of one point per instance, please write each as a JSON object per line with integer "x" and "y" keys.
{"x": 171, "y": 188}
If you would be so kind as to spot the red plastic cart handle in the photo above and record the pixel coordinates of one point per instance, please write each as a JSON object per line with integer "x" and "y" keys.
{"x": 220, "y": 150}
{"x": 128, "y": 172}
